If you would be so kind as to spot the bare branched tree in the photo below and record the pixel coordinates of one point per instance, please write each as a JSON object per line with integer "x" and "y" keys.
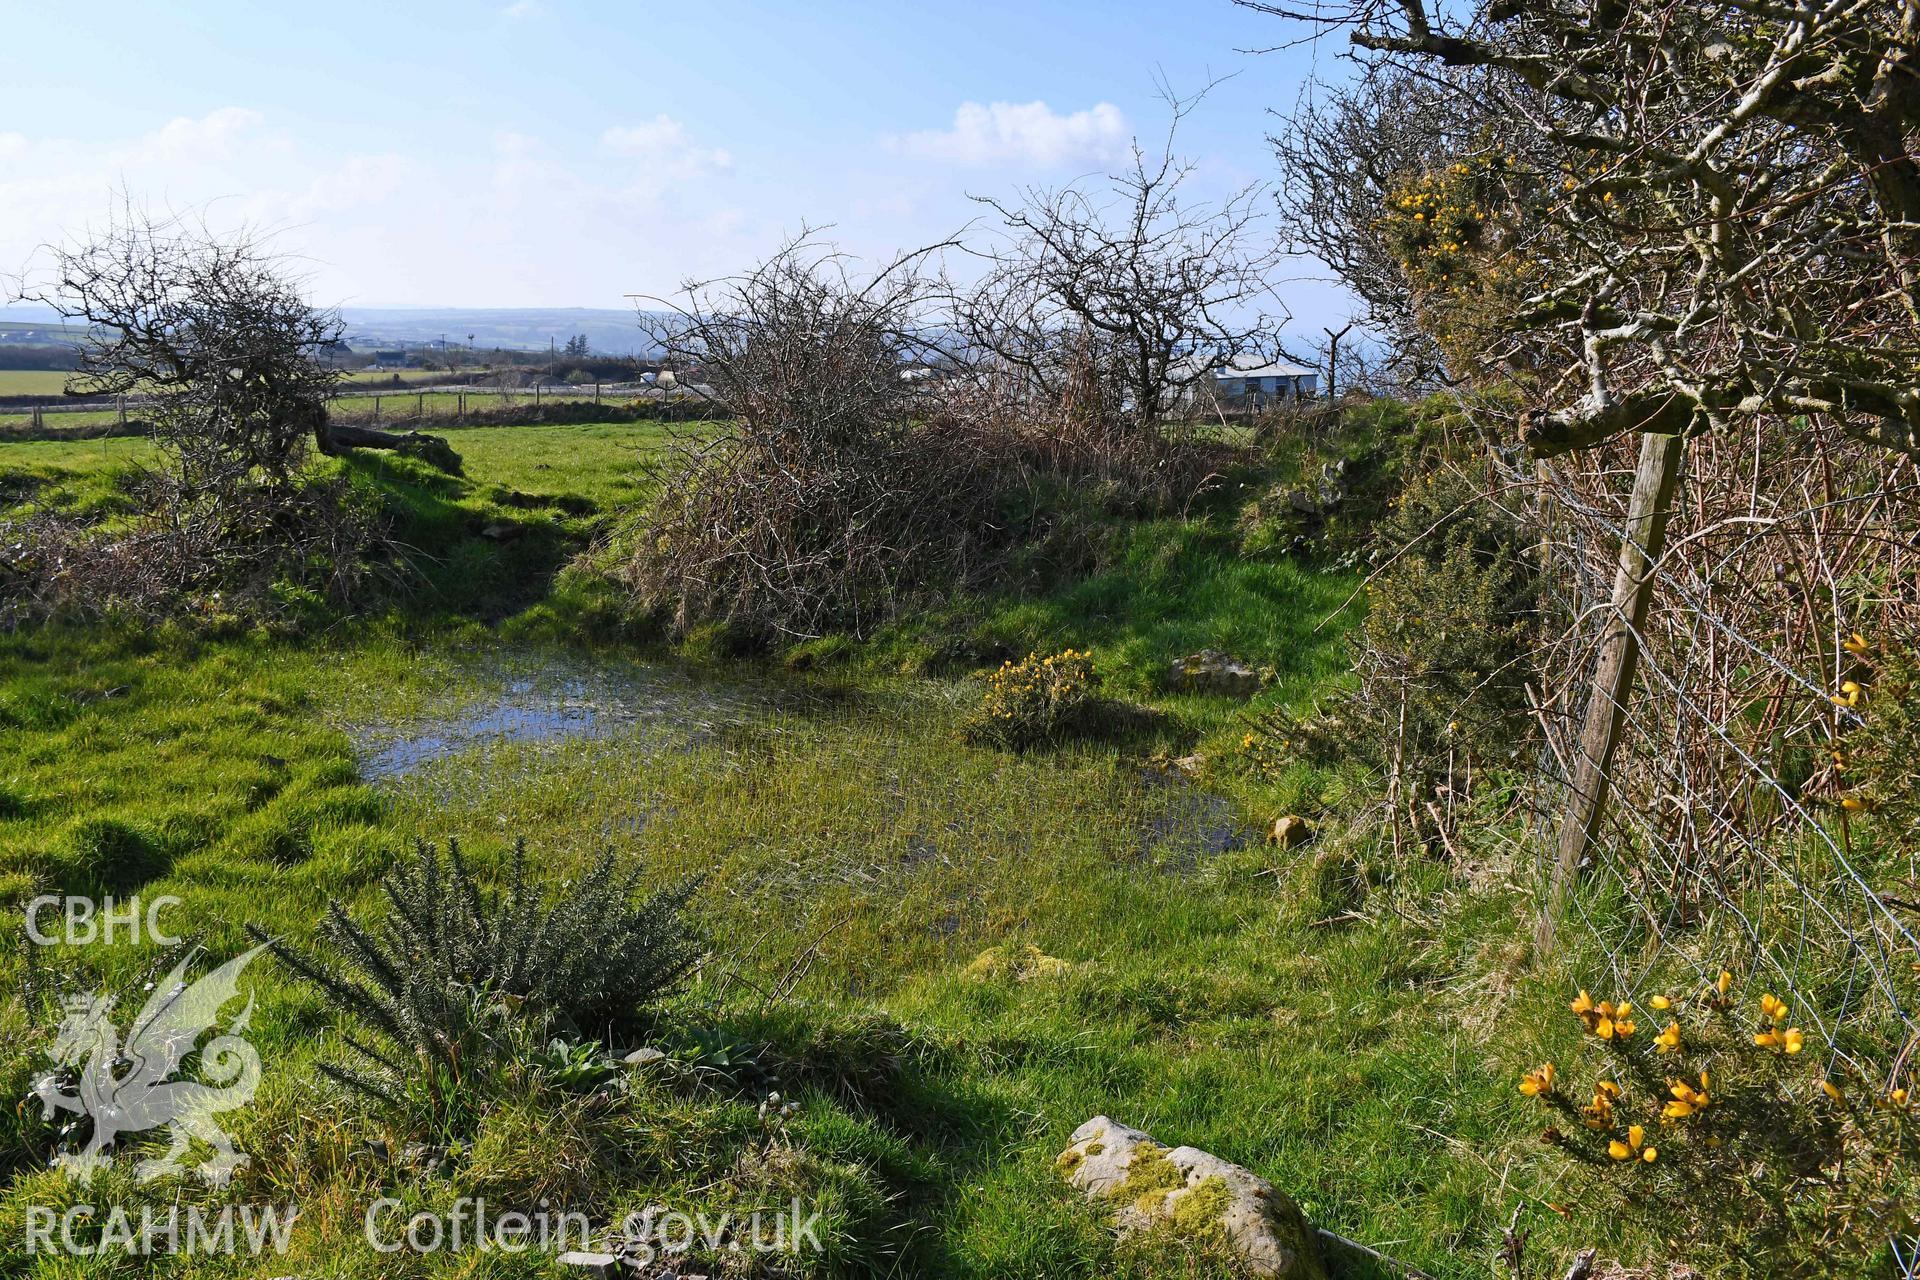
{"x": 216, "y": 332}
{"x": 1129, "y": 279}
{"x": 1730, "y": 219}
{"x": 213, "y": 331}
{"x": 806, "y": 352}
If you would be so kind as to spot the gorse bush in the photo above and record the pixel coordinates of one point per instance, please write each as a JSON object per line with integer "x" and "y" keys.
{"x": 448, "y": 982}
{"x": 1876, "y": 766}
{"x": 1036, "y": 700}
{"x": 1724, "y": 1119}
{"x": 1443, "y": 653}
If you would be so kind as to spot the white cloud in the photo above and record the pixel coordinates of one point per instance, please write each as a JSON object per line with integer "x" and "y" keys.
{"x": 662, "y": 144}
{"x": 215, "y": 135}
{"x": 520, "y": 10}
{"x": 1022, "y": 133}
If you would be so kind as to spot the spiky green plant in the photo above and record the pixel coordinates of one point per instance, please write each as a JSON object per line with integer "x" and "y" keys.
{"x": 453, "y": 977}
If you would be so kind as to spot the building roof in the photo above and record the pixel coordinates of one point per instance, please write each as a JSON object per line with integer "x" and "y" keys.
{"x": 1252, "y": 366}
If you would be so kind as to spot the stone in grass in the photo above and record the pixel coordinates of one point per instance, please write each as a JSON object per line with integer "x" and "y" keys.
{"x": 593, "y": 1264}
{"x": 1017, "y": 964}
{"x": 1211, "y": 671}
{"x": 1195, "y": 1194}
{"x": 1290, "y": 831}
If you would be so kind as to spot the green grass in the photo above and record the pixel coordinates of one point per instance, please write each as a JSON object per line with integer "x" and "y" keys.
{"x": 33, "y": 382}
{"x": 857, "y": 856}
{"x": 53, "y": 382}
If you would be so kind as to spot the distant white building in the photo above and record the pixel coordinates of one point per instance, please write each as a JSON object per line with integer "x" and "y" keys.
{"x": 1248, "y": 382}
{"x": 1258, "y": 379}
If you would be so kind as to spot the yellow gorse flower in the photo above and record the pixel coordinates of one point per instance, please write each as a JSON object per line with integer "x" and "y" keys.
{"x": 1855, "y": 644}
{"x": 1598, "y": 1114}
{"x": 1604, "y": 1019}
{"x": 1635, "y": 1145}
{"x": 1538, "y": 1082}
{"x": 1715, "y": 996}
{"x": 1661, "y": 1003}
{"x": 1668, "y": 1041}
{"x": 1687, "y": 1100}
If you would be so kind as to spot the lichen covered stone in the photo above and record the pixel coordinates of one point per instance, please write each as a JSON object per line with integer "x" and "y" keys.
{"x": 1193, "y": 1193}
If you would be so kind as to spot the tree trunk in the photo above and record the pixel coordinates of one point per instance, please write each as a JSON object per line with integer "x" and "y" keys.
{"x": 335, "y": 439}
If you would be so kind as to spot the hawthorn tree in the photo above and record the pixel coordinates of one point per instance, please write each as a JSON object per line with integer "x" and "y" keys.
{"x": 218, "y": 336}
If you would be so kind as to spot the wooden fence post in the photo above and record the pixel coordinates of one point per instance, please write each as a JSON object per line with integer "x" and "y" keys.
{"x": 376, "y": 408}
{"x": 1619, "y": 653}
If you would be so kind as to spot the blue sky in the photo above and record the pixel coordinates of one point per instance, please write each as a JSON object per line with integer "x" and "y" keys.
{"x": 571, "y": 152}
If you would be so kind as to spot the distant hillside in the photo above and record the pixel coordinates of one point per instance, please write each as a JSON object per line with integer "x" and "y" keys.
{"x": 610, "y": 333}
{"x": 614, "y": 333}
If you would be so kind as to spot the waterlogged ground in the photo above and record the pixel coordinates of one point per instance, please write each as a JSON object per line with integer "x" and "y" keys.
{"x": 557, "y": 700}
{"x": 785, "y": 794}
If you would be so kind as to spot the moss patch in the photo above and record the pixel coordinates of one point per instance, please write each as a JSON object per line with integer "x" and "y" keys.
{"x": 1150, "y": 1176}
{"x": 1201, "y": 1209}
{"x": 1017, "y": 964}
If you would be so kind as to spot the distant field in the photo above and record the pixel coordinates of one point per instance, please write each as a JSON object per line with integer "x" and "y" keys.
{"x": 371, "y": 379}
{"x": 33, "y": 382}
{"x": 52, "y": 382}
{"x": 596, "y": 460}
{"x": 395, "y": 405}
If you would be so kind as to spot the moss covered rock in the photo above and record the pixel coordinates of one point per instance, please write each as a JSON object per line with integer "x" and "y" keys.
{"x": 1194, "y": 1194}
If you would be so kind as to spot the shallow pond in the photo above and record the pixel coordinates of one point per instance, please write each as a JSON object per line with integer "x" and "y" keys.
{"x": 551, "y": 699}
{"x": 481, "y": 729}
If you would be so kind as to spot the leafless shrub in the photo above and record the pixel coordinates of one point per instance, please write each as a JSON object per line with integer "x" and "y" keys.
{"x": 867, "y": 459}
{"x": 1116, "y": 299}
{"x": 256, "y": 558}
{"x": 213, "y": 331}
{"x": 826, "y": 501}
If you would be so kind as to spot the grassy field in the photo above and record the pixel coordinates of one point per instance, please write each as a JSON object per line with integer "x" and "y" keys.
{"x": 858, "y": 856}
{"x": 396, "y": 407}
{"x": 53, "y": 382}
{"x": 33, "y": 382}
